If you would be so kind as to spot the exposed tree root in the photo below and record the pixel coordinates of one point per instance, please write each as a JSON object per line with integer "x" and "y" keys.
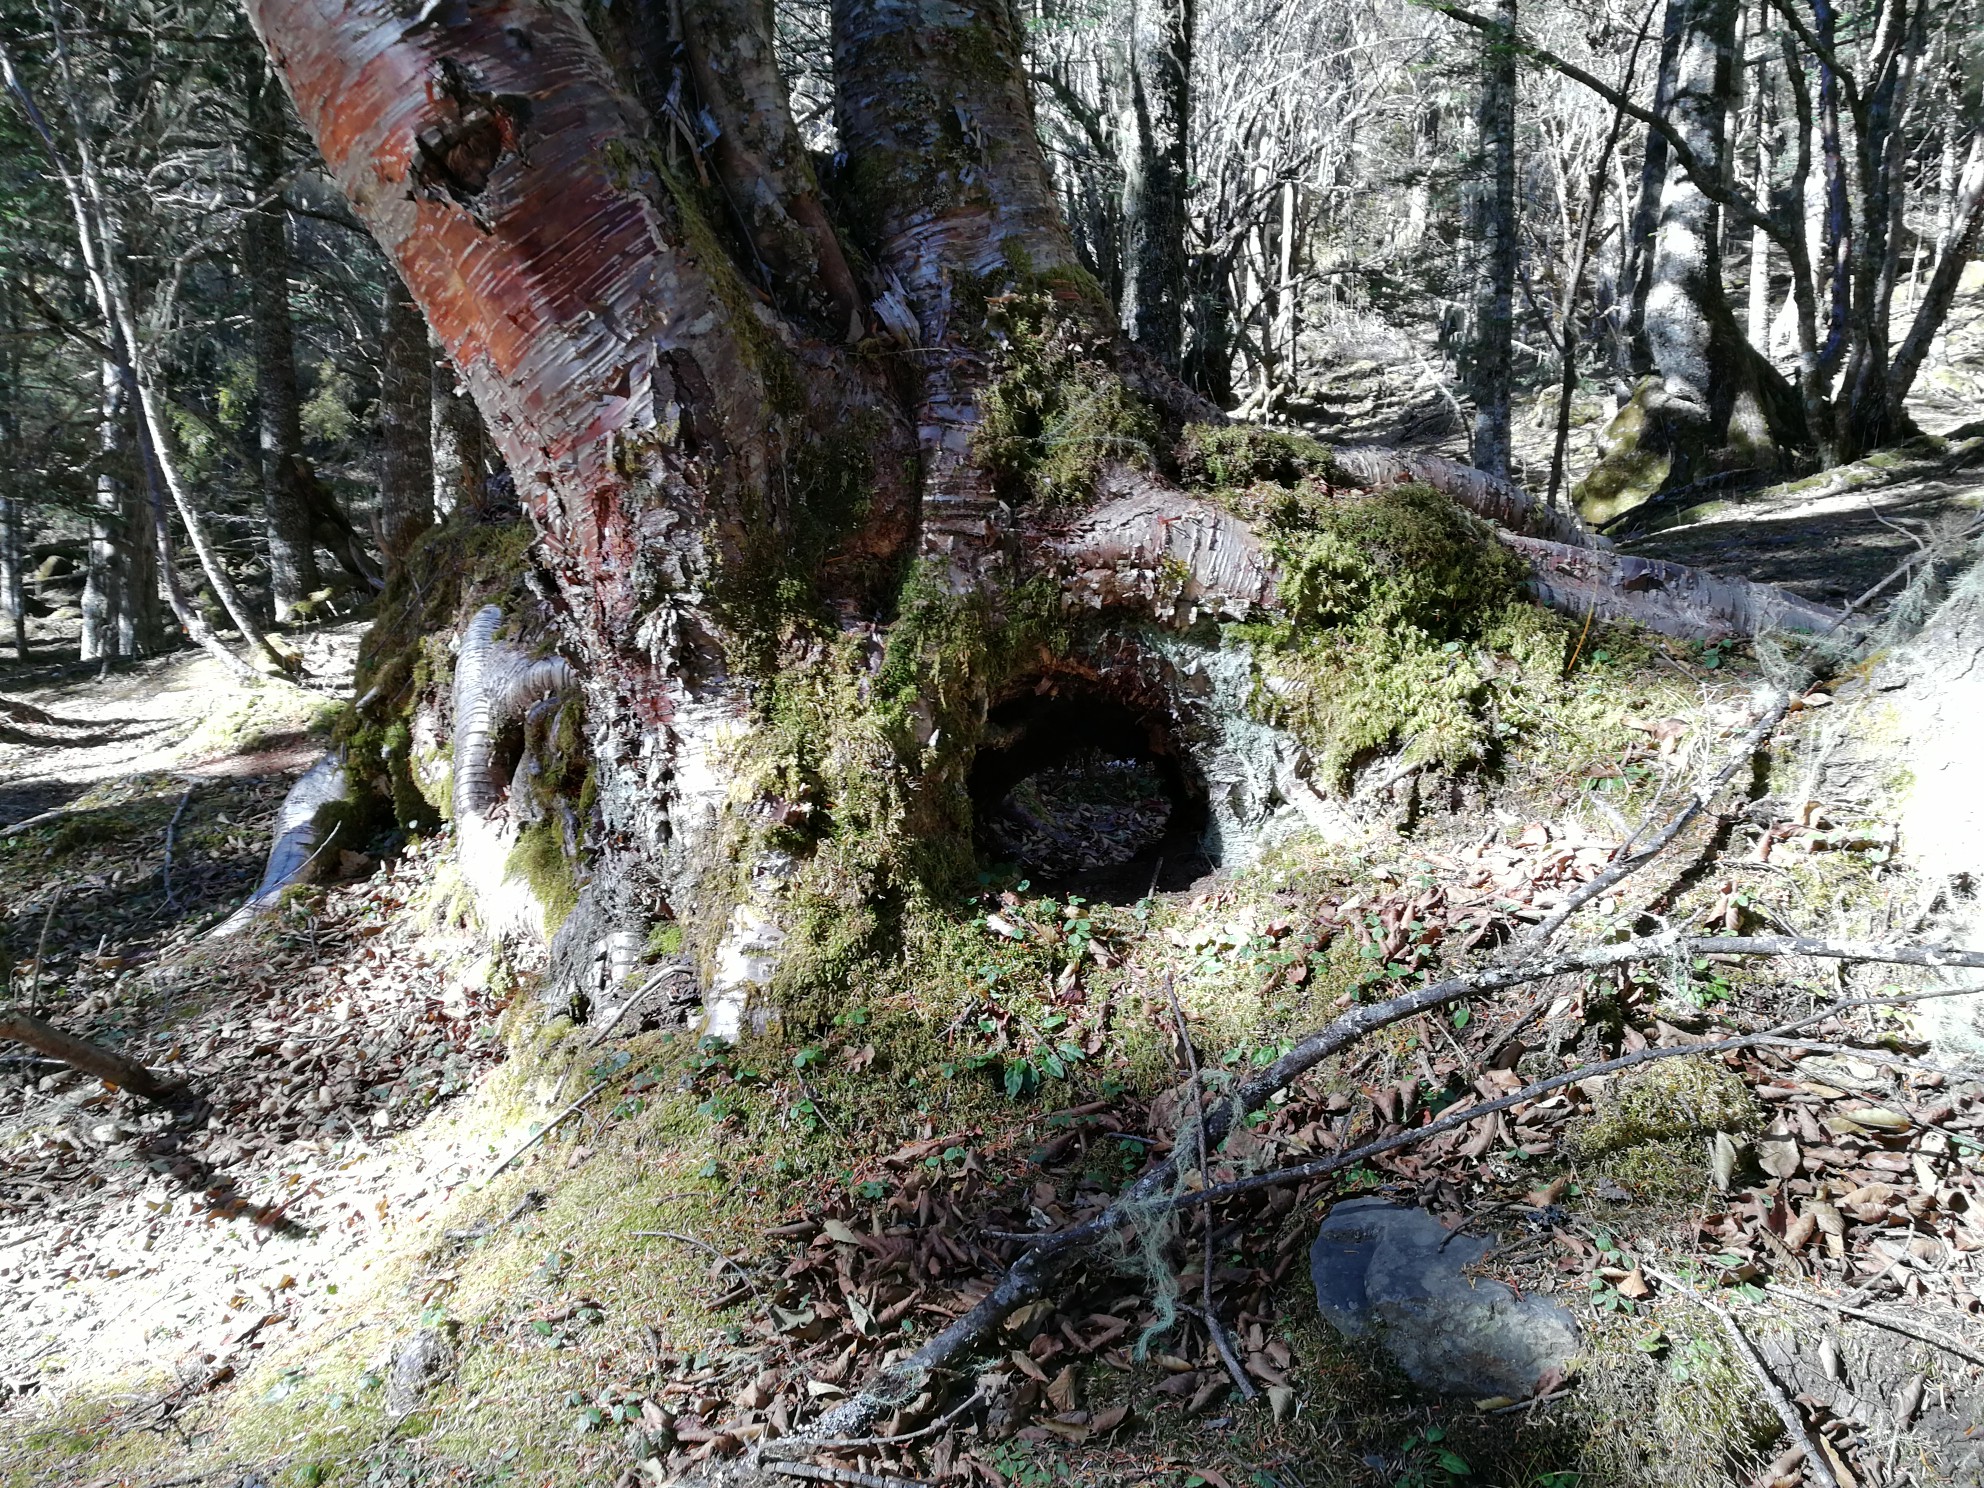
{"x": 296, "y": 846}
{"x": 495, "y": 682}
{"x": 1670, "y": 598}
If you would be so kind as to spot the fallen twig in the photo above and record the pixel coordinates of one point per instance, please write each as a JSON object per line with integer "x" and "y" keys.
{"x": 632, "y": 1002}
{"x": 171, "y": 831}
{"x": 1764, "y": 727}
{"x": 1208, "y": 1314}
{"x": 845, "y": 1475}
{"x": 775, "y": 1451}
{"x": 91, "y": 1059}
{"x": 1794, "y": 1424}
{"x": 1920, "y": 1332}
{"x": 544, "y": 1131}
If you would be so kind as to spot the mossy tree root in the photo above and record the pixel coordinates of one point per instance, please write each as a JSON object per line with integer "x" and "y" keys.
{"x": 1671, "y": 598}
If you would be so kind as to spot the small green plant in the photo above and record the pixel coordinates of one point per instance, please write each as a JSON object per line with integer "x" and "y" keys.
{"x": 1425, "y": 1461}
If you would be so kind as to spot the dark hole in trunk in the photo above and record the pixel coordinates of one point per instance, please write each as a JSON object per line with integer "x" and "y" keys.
{"x": 1083, "y": 794}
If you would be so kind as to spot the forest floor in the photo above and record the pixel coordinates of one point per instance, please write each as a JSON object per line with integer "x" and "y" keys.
{"x": 330, "y": 1271}
{"x": 320, "y": 1275}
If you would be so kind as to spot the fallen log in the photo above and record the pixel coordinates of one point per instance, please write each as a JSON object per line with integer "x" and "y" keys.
{"x": 1502, "y": 502}
{"x": 1671, "y": 598}
{"x": 91, "y": 1059}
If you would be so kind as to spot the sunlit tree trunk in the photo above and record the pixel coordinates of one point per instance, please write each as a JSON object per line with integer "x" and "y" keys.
{"x": 458, "y": 453}
{"x": 1157, "y": 127}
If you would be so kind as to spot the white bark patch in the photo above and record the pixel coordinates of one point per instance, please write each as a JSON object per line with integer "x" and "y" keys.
{"x": 746, "y": 960}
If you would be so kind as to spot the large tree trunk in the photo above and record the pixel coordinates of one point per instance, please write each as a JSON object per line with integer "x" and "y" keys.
{"x": 293, "y": 573}
{"x": 1713, "y": 404}
{"x": 1492, "y": 235}
{"x": 1157, "y": 128}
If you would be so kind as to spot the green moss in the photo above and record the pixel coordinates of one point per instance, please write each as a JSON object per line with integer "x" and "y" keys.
{"x": 1214, "y": 456}
{"x": 1391, "y": 603}
{"x": 539, "y": 860}
{"x": 1664, "y": 1100}
{"x": 1627, "y": 474}
{"x": 1055, "y": 413}
{"x": 665, "y": 939}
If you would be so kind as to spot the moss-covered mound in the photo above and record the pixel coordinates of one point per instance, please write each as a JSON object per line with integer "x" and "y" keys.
{"x": 1396, "y": 607}
{"x": 1666, "y": 1100}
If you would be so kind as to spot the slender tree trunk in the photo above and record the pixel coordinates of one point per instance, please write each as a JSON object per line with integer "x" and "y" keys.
{"x": 1758, "y": 325}
{"x": 293, "y": 575}
{"x": 104, "y": 583}
{"x": 406, "y": 400}
{"x": 1157, "y": 129}
{"x": 13, "y": 598}
{"x": 1492, "y": 232}
{"x": 1646, "y": 206}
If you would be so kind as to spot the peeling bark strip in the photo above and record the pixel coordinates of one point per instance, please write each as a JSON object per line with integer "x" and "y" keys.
{"x": 1501, "y": 501}
{"x": 1148, "y": 548}
{"x": 1666, "y": 597}
{"x": 494, "y": 683}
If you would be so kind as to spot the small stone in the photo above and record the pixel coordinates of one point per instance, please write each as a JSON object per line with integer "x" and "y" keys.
{"x": 415, "y": 1368}
{"x": 1397, "y": 1274}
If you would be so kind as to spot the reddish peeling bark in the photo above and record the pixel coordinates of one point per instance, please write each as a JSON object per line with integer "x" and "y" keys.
{"x": 491, "y": 154}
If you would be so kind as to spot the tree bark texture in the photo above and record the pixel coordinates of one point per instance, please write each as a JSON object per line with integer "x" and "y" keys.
{"x": 1492, "y": 233}
{"x": 458, "y": 457}
{"x": 293, "y": 575}
{"x": 1157, "y": 128}
{"x": 406, "y": 402}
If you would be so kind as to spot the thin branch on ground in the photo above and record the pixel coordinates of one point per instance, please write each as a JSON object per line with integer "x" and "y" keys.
{"x": 775, "y": 1451}
{"x": 1208, "y": 1313}
{"x": 845, "y": 1475}
{"x": 1920, "y": 1332}
{"x": 172, "y": 831}
{"x": 1794, "y": 1424}
{"x": 544, "y": 1131}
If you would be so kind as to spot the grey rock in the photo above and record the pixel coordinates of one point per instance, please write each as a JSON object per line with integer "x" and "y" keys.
{"x": 1396, "y": 1274}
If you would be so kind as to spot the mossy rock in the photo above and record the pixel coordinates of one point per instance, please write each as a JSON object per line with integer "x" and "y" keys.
{"x": 1627, "y": 475}
{"x": 1669, "y": 1099}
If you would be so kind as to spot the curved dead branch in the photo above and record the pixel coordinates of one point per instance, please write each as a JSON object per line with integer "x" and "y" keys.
{"x": 92, "y": 1059}
{"x": 1670, "y": 598}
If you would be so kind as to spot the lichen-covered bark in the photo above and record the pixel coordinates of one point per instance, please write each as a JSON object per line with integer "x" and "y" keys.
{"x": 1492, "y": 229}
{"x": 766, "y": 176}
{"x": 946, "y": 168}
